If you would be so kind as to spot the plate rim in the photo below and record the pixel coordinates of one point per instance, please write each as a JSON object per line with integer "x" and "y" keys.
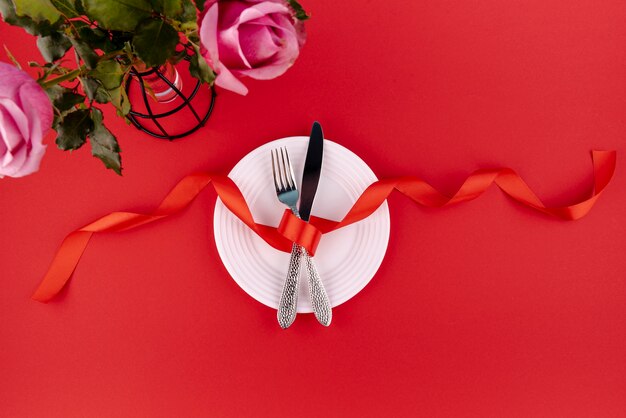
{"x": 219, "y": 206}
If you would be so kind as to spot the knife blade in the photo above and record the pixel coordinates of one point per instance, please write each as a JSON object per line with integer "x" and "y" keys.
{"x": 312, "y": 170}
{"x": 310, "y": 180}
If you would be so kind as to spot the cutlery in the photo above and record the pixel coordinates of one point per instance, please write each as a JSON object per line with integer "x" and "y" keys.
{"x": 310, "y": 180}
{"x": 287, "y": 193}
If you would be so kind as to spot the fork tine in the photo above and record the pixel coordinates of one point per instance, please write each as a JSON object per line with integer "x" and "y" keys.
{"x": 287, "y": 182}
{"x": 279, "y": 173}
{"x": 292, "y": 176}
{"x": 274, "y": 172}
{"x": 281, "y": 169}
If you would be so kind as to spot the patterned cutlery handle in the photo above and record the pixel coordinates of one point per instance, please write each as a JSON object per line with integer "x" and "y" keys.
{"x": 288, "y": 304}
{"x": 319, "y": 298}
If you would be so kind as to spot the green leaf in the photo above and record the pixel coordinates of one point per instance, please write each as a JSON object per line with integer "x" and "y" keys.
{"x": 53, "y": 47}
{"x": 96, "y": 37}
{"x": 119, "y": 99}
{"x": 55, "y": 92}
{"x": 118, "y": 14}
{"x": 169, "y": 8}
{"x": 63, "y": 98}
{"x": 200, "y": 4}
{"x": 155, "y": 41}
{"x": 68, "y": 100}
{"x": 189, "y": 13}
{"x": 86, "y": 53}
{"x": 7, "y": 9}
{"x": 72, "y": 130}
{"x": 299, "y": 11}
{"x": 80, "y": 9}
{"x": 120, "y": 39}
{"x": 109, "y": 73}
{"x": 104, "y": 145}
{"x": 38, "y": 11}
{"x": 199, "y": 68}
{"x": 66, "y": 7}
{"x": 94, "y": 90}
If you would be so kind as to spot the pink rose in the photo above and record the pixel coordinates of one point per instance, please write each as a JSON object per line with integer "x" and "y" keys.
{"x": 260, "y": 39}
{"x": 25, "y": 117}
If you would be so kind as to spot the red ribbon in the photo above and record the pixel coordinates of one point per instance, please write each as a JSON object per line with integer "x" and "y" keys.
{"x": 291, "y": 229}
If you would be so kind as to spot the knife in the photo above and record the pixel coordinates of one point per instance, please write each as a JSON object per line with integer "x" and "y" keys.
{"x": 312, "y": 171}
{"x": 310, "y": 179}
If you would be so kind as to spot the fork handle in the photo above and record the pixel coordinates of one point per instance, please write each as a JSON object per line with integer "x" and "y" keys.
{"x": 287, "y": 306}
{"x": 319, "y": 298}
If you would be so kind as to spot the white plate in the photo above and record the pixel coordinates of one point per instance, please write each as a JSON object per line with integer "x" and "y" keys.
{"x": 346, "y": 259}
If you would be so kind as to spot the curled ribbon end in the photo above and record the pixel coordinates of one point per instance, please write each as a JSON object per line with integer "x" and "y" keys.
{"x": 41, "y": 298}
{"x": 46, "y": 291}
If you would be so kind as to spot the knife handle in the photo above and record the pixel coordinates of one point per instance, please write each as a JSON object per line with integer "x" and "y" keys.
{"x": 319, "y": 298}
{"x": 287, "y": 306}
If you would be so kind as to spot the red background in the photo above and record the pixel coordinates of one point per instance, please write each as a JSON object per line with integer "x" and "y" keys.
{"x": 485, "y": 309}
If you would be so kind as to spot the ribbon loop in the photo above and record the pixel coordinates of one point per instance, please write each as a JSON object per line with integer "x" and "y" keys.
{"x": 299, "y": 231}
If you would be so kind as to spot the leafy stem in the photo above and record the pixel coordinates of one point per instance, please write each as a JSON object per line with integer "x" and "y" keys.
{"x": 65, "y": 77}
{"x": 107, "y": 38}
{"x": 75, "y": 73}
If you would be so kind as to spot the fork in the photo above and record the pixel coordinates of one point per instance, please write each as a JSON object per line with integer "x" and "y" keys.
{"x": 287, "y": 193}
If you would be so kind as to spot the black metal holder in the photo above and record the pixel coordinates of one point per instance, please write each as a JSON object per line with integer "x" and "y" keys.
{"x": 137, "y": 117}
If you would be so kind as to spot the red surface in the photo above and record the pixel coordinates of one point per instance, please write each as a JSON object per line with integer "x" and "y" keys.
{"x": 485, "y": 309}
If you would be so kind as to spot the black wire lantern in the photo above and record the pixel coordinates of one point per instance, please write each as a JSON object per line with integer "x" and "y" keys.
{"x": 139, "y": 119}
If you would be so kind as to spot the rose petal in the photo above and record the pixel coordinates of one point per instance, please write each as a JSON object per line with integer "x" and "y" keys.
{"x": 234, "y": 14}
{"x": 266, "y": 1}
{"x": 231, "y": 53}
{"x": 13, "y": 158}
{"x": 36, "y": 149}
{"x": 266, "y": 20}
{"x": 230, "y": 12}
{"x": 7, "y": 127}
{"x": 286, "y": 23}
{"x": 3, "y": 147}
{"x": 208, "y": 34}
{"x": 37, "y": 107}
{"x": 258, "y": 43}
{"x": 267, "y": 72}
{"x": 226, "y": 79}
{"x": 25, "y": 116}
{"x": 262, "y": 9}
{"x": 10, "y": 80}
{"x": 208, "y": 38}
{"x": 13, "y": 166}
{"x": 33, "y": 161}
{"x": 280, "y": 62}
{"x": 14, "y": 126}
{"x": 208, "y": 4}
{"x": 252, "y": 37}
{"x": 16, "y": 151}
